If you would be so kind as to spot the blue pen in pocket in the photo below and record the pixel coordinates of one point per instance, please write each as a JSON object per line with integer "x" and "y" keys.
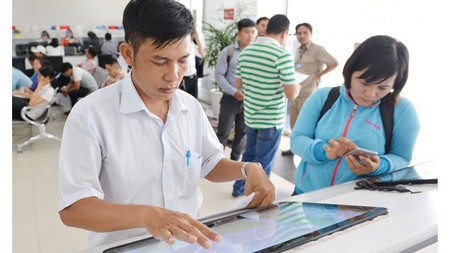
{"x": 188, "y": 156}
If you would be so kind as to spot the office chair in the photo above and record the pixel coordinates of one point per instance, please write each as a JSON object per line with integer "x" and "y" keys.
{"x": 21, "y": 50}
{"x": 100, "y": 74}
{"x": 19, "y": 63}
{"x": 40, "y": 123}
{"x": 56, "y": 62}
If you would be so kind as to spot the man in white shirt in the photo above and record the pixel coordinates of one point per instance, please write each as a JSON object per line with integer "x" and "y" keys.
{"x": 142, "y": 145}
{"x": 81, "y": 82}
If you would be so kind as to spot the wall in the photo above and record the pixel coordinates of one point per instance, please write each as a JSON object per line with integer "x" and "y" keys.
{"x": 79, "y": 12}
{"x": 419, "y": 25}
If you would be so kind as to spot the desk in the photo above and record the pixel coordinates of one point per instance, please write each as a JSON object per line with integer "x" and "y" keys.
{"x": 411, "y": 224}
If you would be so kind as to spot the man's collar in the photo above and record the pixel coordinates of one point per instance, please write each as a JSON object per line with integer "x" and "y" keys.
{"x": 132, "y": 102}
{"x": 268, "y": 40}
{"x": 307, "y": 46}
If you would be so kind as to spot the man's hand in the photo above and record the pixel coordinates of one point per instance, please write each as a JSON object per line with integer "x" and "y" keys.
{"x": 169, "y": 225}
{"x": 64, "y": 90}
{"x": 259, "y": 183}
{"x": 239, "y": 95}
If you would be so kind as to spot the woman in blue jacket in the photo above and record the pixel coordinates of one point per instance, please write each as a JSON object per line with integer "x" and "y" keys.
{"x": 377, "y": 66}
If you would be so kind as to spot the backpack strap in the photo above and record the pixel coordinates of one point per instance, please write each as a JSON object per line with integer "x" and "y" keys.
{"x": 387, "y": 117}
{"x": 386, "y": 113}
{"x": 332, "y": 97}
{"x": 230, "y": 53}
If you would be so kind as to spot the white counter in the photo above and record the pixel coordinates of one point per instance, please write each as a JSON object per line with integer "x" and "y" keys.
{"x": 410, "y": 225}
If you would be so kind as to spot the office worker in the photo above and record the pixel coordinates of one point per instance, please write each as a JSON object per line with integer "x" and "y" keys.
{"x": 231, "y": 104}
{"x": 142, "y": 144}
{"x": 377, "y": 66}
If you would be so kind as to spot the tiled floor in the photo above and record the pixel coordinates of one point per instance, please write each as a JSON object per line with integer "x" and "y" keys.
{"x": 36, "y": 224}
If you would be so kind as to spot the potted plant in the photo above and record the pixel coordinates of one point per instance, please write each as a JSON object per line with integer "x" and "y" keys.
{"x": 217, "y": 39}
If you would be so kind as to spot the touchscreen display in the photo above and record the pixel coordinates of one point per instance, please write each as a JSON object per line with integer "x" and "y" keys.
{"x": 425, "y": 173}
{"x": 273, "y": 229}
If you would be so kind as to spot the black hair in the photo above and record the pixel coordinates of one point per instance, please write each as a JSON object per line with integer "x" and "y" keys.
{"x": 108, "y": 36}
{"x": 32, "y": 57}
{"x": 65, "y": 66}
{"x": 277, "y": 24}
{"x": 112, "y": 61}
{"x": 244, "y": 23}
{"x": 307, "y": 25}
{"x": 261, "y": 19}
{"x": 164, "y": 21}
{"x": 45, "y": 61}
{"x": 92, "y": 35}
{"x": 92, "y": 50}
{"x": 71, "y": 33}
{"x": 45, "y": 33}
{"x": 54, "y": 42}
{"x": 381, "y": 57}
{"x": 47, "y": 71}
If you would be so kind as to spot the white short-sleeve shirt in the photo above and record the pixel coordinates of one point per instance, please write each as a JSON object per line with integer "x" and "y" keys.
{"x": 86, "y": 79}
{"x": 114, "y": 149}
{"x": 47, "y": 92}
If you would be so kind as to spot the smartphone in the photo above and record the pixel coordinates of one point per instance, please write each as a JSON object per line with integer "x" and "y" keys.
{"x": 361, "y": 151}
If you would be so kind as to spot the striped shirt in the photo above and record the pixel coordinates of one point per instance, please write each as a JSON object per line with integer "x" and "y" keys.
{"x": 264, "y": 67}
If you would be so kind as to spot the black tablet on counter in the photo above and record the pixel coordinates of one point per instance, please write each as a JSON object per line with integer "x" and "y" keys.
{"x": 423, "y": 173}
{"x": 275, "y": 228}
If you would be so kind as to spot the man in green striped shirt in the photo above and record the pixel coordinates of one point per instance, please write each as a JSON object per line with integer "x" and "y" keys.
{"x": 266, "y": 73}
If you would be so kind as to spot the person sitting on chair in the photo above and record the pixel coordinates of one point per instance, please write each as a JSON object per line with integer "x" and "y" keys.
{"x": 43, "y": 94}
{"x": 81, "y": 82}
{"x": 115, "y": 72}
{"x": 90, "y": 63}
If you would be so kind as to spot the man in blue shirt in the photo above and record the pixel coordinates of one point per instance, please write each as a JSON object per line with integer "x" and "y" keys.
{"x": 231, "y": 104}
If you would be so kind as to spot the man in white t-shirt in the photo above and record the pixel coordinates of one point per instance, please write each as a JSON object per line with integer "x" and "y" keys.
{"x": 81, "y": 82}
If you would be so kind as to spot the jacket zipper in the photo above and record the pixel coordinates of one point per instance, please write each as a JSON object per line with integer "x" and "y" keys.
{"x": 347, "y": 125}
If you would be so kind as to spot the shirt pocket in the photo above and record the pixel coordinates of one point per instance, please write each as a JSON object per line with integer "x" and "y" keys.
{"x": 192, "y": 173}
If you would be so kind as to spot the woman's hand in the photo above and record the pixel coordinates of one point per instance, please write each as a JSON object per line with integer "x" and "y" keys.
{"x": 363, "y": 165}
{"x": 338, "y": 147}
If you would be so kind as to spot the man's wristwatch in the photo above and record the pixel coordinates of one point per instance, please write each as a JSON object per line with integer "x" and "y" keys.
{"x": 244, "y": 168}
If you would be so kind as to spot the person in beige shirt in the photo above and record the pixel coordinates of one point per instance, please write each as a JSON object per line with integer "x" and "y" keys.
{"x": 310, "y": 60}
{"x": 115, "y": 72}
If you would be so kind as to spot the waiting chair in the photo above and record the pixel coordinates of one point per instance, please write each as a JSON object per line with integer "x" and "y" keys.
{"x": 100, "y": 74}
{"x": 40, "y": 123}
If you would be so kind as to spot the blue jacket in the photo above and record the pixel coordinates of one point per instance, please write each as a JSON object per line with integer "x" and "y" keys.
{"x": 365, "y": 129}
